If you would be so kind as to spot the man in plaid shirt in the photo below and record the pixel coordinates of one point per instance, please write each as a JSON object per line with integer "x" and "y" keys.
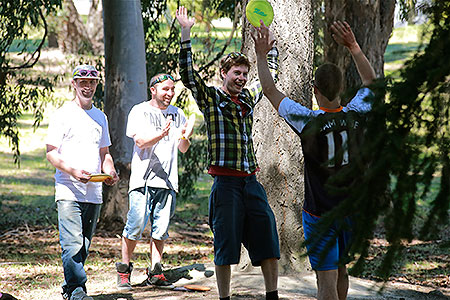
{"x": 239, "y": 211}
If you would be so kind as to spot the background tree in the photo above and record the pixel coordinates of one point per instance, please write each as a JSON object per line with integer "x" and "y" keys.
{"x": 416, "y": 130}
{"x": 372, "y": 23}
{"x": 19, "y": 91}
{"x": 125, "y": 86}
{"x": 75, "y": 34}
{"x": 277, "y": 147}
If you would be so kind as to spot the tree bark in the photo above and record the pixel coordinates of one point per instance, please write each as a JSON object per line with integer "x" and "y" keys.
{"x": 74, "y": 38}
{"x": 94, "y": 26}
{"x": 372, "y": 22}
{"x": 125, "y": 86}
{"x": 277, "y": 147}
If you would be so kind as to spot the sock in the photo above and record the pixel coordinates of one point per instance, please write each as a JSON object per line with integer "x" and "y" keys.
{"x": 272, "y": 295}
{"x": 225, "y": 298}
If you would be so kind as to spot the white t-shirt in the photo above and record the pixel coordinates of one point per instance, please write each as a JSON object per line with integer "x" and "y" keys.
{"x": 158, "y": 164}
{"x": 78, "y": 134}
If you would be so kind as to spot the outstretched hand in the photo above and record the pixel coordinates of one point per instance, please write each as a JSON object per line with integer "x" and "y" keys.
{"x": 263, "y": 39}
{"x": 183, "y": 19}
{"x": 343, "y": 34}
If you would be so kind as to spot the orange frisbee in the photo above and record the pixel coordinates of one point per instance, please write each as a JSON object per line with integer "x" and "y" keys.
{"x": 99, "y": 177}
{"x": 196, "y": 287}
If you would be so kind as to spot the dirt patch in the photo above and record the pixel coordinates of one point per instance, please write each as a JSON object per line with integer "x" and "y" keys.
{"x": 31, "y": 269}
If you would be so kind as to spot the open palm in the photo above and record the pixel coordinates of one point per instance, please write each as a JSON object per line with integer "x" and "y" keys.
{"x": 183, "y": 18}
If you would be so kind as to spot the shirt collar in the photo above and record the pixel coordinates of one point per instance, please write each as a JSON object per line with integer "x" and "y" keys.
{"x": 331, "y": 110}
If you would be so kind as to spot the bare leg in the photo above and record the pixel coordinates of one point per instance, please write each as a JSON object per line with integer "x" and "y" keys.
{"x": 327, "y": 285}
{"x": 156, "y": 249}
{"x": 269, "y": 268}
{"x": 127, "y": 249}
{"x": 342, "y": 283}
{"x": 223, "y": 277}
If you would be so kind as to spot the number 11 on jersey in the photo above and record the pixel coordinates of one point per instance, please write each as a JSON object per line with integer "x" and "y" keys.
{"x": 332, "y": 148}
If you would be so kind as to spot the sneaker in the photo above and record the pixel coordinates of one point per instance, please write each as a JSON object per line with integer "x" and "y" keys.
{"x": 157, "y": 279}
{"x": 65, "y": 292}
{"x": 124, "y": 276}
{"x": 80, "y": 294}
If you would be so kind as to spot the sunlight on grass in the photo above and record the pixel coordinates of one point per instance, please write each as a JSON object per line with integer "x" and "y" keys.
{"x": 403, "y": 44}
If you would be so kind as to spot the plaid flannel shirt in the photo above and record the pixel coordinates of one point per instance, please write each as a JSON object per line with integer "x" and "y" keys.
{"x": 230, "y": 142}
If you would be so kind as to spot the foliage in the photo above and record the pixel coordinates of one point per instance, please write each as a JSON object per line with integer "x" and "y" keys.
{"x": 18, "y": 92}
{"x": 162, "y": 33}
{"x": 21, "y": 94}
{"x": 409, "y": 146}
{"x": 407, "y": 12}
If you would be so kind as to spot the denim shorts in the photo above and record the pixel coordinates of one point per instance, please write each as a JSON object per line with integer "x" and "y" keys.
{"x": 338, "y": 250}
{"x": 240, "y": 214}
{"x": 154, "y": 205}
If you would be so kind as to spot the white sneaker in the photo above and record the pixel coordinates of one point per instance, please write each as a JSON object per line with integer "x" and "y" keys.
{"x": 79, "y": 294}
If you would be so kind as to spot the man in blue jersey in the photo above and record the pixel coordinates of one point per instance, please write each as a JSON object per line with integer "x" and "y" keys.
{"x": 329, "y": 139}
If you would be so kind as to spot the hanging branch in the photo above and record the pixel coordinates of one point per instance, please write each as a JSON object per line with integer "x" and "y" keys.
{"x": 37, "y": 52}
{"x": 227, "y": 43}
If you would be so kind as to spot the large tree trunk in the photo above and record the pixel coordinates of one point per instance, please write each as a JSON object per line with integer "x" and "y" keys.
{"x": 372, "y": 23}
{"x": 278, "y": 148}
{"x": 94, "y": 26}
{"x": 73, "y": 37}
{"x": 125, "y": 86}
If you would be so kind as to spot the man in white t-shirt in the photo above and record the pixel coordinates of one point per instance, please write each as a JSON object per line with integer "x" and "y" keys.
{"x": 159, "y": 131}
{"x": 78, "y": 147}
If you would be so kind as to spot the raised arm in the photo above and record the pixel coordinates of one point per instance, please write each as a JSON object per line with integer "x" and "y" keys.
{"x": 190, "y": 78}
{"x": 263, "y": 44}
{"x": 186, "y": 23}
{"x": 343, "y": 35}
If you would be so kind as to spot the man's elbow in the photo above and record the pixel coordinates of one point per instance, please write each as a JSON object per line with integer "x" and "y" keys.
{"x": 140, "y": 144}
{"x": 368, "y": 81}
{"x": 269, "y": 91}
{"x": 183, "y": 148}
{"x": 48, "y": 156}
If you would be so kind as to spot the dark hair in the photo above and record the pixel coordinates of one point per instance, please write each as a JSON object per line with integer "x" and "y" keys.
{"x": 328, "y": 80}
{"x": 233, "y": 59}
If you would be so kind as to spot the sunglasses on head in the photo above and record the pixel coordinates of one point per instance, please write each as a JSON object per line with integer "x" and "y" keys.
{"x": 88, "y": 73}
{"x": 161, "y": 79}
{"x": 234, "y": 55}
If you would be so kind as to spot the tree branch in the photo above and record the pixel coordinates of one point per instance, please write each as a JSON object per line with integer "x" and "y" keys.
{"x": 38, "y": 49}
{"x": 227, "y": 43}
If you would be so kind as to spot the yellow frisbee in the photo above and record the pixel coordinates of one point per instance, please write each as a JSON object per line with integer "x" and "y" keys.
{"x": 99, "y": 177}
{"x": 259, "y": 10}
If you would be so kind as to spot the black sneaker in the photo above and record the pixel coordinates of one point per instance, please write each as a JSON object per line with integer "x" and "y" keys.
{"x": 124, "y": 276}
{"x": 65, "y": 293}
{"x": 157, "y": 279}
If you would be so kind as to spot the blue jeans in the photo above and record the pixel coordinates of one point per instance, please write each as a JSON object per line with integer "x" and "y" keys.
{"x": 77, "y": 222}
{"x": 156, "y": 205}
